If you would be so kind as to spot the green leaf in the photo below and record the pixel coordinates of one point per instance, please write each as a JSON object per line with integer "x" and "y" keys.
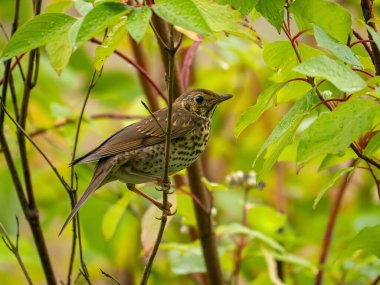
{"x": 330, "y": 184}
{"x": 373, "y": 145}
{"x": 341, "y": 51}
{"x": 99, "y": 18}
{"x": 238, "y": 229}
{"x": 187, "y": 260}
{"x": 293, "y": 259}
{"x": 264, "y": 101}
{"x": 375, "y": 36}
{"x": 328, "y": 15}
{"x": 113, "y": 215}
{"x": 367, "y": 240}
{"x": 334, "y": 131}
{"x": 244, "y": 6}
{"x": 58, "y": 7}
{"x": 273, "y": 11}
{"x": 138, "y": 21}
{"x": 59, "y": 52}
{"x": 203, "y": 17}
{"x": 283, "y": 134}
{"x": 222, "y": 18}
{"x": 280, "y": 56}
{"x": 212, "y": 186}
{"x": 184, "y": 14}
{"x": 39, "y": 31}
{"x": 110, "y": 43}
{"x": 338, "y": 74}
{"x": 257, "y": 219}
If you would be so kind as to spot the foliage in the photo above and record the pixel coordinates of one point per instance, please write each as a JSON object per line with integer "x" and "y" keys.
{"x": 305, "y": 117}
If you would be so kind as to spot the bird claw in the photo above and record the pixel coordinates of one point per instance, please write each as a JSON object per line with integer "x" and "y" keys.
{"x": 164, "y": 187}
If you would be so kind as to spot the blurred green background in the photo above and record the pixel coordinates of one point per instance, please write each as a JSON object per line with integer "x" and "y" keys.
{"x": 113, "y": 236}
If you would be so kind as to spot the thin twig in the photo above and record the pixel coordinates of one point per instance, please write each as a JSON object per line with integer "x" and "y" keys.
{"x": 17, "y": 62}
{"x": 165, "y": 181}
{"x": 331, "y": 223}
{"x": 14, "y": 249}
{"x": 377, "y": 181}
{"x": 188, "y": 60}
{"x": 73, "y": 193}
{"x": 59, "y": 176}
{"x": 153, "y": 115}
{"x": 139, "y": 69}
{"x": 109, "y": 276}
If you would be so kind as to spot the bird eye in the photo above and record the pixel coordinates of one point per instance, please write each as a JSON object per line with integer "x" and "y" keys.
{"x": 199, "y": 99}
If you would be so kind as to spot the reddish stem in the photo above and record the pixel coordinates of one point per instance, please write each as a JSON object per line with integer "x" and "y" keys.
{"x": 138, "y": 67}
{"x": 188, "y": 60}
{"x": 13, "y": 66}
{"x": 360, "y": 42}
{"x": 363, "y": 71}
{"x": 293, "y": 40}
{"x": 330, "y": 226}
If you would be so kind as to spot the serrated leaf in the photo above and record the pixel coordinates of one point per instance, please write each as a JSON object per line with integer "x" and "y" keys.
{"x": 330, "y": 184}
{"x": 110, "y": 43}
{"x": 328, "y": 15}
{"x": 334, "y": 131}
{"x": 203, "y": 17}
{"x": 338, "y": 74}
{"x": 222, "y": 18}
{"x": 341, "y": 51}
{"x": 99, "y": 18}
{"x": 244, "y": 6}
{"x": 59, "y": 52}
{"x": 138, "y": 21}
{"x": 273, "y": 11}
{"x": 237, "y": 229}
{"x": 39, "y": 31}
{"x": 367, "y": 240}
{"x": 373, "y": 145}
{"x": 281, "y": 57}
{"x": 264, "y": 101}
{"x": 283, "y": 134}
{"x": 182, "y": 13}
{"x": 113, "y": 215}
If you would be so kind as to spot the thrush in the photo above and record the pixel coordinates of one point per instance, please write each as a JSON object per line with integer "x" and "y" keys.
{"x": 136, "y": 153}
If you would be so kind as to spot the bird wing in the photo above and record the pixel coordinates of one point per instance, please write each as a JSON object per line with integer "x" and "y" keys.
{"x": 144, "y": 133}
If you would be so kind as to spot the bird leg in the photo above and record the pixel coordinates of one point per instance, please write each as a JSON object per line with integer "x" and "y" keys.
{"x": 153, "y": 177}
{"x": 158, "y": 204}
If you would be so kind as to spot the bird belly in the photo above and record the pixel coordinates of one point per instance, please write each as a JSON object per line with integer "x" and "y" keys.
{"x": 147, "y": 164}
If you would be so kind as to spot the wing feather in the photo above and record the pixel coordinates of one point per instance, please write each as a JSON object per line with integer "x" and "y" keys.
{"x": 141, "y": 134}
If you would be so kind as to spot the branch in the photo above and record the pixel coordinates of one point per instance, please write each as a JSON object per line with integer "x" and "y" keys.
{"x": 367, "y": 8}
{"x": 188, "y": 60}
{"x": 140, "y": 69}
{"x": 194, "y": 172}
{"x": 73, "y": 193}
{"x": 27, "y": 201}
{"x": 165, "y": 181}
{"x": 14, "y": 249}
{"x": 331, "y": 223}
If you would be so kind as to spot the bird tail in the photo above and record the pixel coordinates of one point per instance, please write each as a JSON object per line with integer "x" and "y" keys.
{"x": 101, "y": 172}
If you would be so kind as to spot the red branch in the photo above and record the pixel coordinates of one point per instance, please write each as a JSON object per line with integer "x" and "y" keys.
{"x": 139, "y": 69}
{"x": 13, "y": 66}
{"x": 188, "y": 60}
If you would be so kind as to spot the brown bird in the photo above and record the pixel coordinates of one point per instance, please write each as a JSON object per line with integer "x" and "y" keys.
{"x": 136, "y": 153}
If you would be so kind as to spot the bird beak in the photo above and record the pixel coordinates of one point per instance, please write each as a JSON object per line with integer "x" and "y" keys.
{"x": 224, "y": 97}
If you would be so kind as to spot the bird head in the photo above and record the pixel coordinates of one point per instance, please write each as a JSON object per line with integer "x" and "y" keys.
{"x": 201, "y": 102}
